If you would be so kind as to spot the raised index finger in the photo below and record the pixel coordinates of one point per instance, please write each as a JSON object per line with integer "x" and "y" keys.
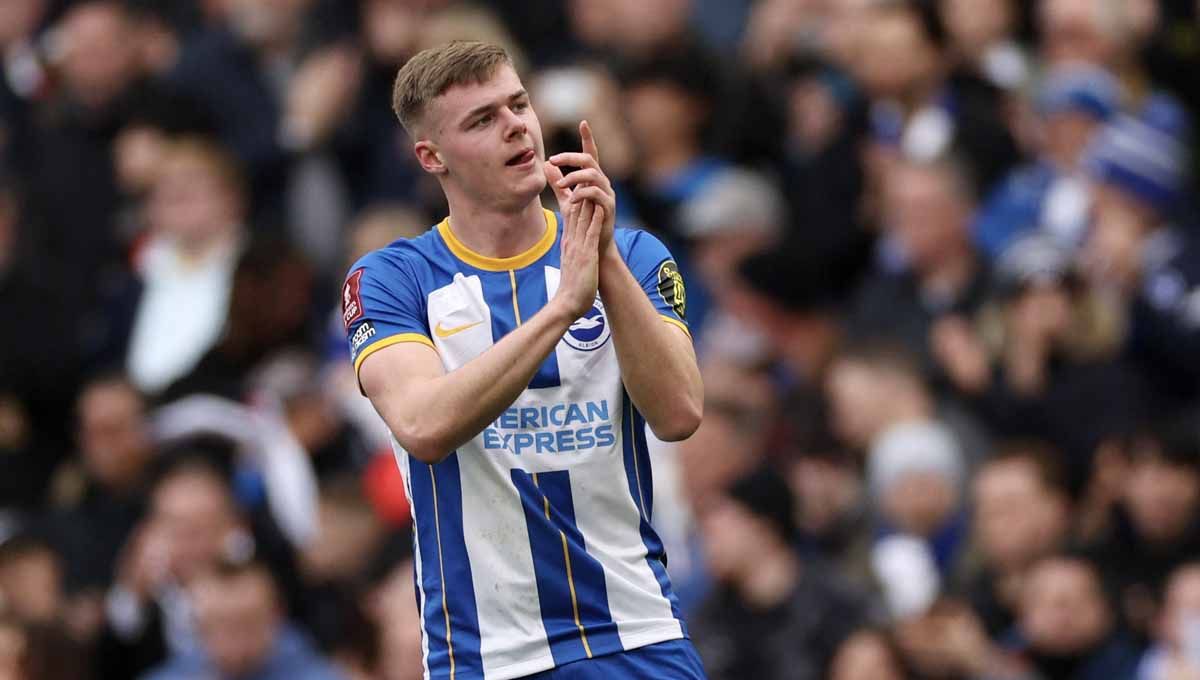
{"x": 589, "y": 140}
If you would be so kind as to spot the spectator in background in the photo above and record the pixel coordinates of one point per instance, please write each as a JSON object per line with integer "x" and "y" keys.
{"x": 239, "y": 69}
{"x": 1137, "y": 250}
{"x": 193, "y": 525}
{"x": 948, "y": 642}
{"x": 1050, "y": 194}
{"x": 243, "y": 632}
{"x": 732, "y": 440}
{"x": 668, "y": 101}
{"x": 39, "y": 652}
{"x": 927, "y": 211}
{"x": 774, "y": 615}
{"x": 25, "y": 74}
{"x": 738, "y": 214}
{"x": 874, "y": 387}
{"x": 1021, "y": 513}
{"x": 196, "y": 213}
{"x": 867, "y": 655}
{"x": 821, "y": 166}
{"x": 1174, "y": 652}
{"x": 791, "y": 296}
{"x": 916, "y": 476}
{"x": 31, "y": 580}
{"x": 153, "y": 122}
{"x": 983, "y": 39}
{"x": 1066, "y": 628}
{"x": 389, "y": 604}
{"x": 13, "y": 648}
{"x": 38, "y": 369}
{"x": 1108, "y": 34}
{"x": 267, "y": 313}
{"x": 831, "y": 512}
{"x": 635, "y": 30}
{"x": 69, "y": 171}
{"x": 116, "y": 454}
{"x": 1052, "y": 345}
{"x": 1156, "y": 526}
{"x": 919, "y": 107}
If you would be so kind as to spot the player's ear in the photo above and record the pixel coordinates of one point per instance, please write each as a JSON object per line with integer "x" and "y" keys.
{"x": 429, "y": 157}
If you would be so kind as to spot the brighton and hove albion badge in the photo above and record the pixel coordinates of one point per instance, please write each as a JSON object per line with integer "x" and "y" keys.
{"x": 670, "y": 288}
{"x": 589, "y": 331}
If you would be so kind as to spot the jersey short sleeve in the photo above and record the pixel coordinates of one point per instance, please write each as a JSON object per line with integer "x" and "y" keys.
{"x": 655, "y": 269}
{"x": 382, "y": 305}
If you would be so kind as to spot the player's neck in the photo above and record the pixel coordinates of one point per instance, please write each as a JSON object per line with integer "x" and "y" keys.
{"x": 498, "y": 233}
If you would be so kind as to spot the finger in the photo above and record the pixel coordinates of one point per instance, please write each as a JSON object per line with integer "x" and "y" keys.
{"x": 591, "y": 240}
{"x": 589, "y": 140}
{"x": 575, "y": 158}
{"x": 593, "y": 194}
{"x": 586, "y": 175}
{"x": 586, "y": 209}
{"x": 553, "y": 178}
{"x": 569, "y": 228}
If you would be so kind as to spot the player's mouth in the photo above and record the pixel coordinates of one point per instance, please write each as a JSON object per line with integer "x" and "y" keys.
{"x": 522, "y": 159}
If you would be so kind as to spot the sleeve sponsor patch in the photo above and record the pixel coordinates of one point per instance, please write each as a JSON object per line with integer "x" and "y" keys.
{"x": 365, "y": 332}
{"x": 352, "y": 309}
{"x": 670, "y": 287}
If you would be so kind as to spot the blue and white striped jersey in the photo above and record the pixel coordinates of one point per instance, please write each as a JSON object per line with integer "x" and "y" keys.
{"x": 533, "y": 543}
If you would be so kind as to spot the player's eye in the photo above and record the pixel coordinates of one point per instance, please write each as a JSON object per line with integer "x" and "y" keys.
{"x": 520, "y": 106}
{"x": 482, "y": 121}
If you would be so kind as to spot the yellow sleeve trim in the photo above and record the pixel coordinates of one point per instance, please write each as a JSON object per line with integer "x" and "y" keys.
{"x": 388, "y": 342}
{"x": 676, "y": 322}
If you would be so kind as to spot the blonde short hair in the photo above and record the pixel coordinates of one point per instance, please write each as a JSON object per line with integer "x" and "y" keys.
{"x": 433, "y": 71}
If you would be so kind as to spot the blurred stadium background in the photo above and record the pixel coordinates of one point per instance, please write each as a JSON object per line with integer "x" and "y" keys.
{"x": 943, "y": 276}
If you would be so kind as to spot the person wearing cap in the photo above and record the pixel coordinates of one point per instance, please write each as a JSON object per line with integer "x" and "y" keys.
{"x": 1049, "y": 194}
{"x": 774, "y": 614}
{"x": 1140, "y": 248}
{"x": 916, "y": 476}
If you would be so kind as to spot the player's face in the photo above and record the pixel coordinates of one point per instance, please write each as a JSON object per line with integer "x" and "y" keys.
{"x": 489, "y": 141}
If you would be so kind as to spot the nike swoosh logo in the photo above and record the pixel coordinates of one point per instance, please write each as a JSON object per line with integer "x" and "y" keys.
{"x": 447, "y": 332}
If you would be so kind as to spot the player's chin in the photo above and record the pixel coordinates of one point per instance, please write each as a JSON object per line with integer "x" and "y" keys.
{"x": 530, "y": 184}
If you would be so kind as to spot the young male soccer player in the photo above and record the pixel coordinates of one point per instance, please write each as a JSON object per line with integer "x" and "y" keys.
{"x": 518, "y": 396}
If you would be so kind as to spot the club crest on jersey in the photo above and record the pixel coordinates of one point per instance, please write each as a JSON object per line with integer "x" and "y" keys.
{"x": 352, "y": 309}
{"x": 589, "y": 331}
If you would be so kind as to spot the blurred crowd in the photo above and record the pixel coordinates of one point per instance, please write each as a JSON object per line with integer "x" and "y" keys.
{"x": 943, "y": 275}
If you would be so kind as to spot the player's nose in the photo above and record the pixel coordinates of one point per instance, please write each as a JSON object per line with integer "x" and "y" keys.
{"x": 514, "y": 125}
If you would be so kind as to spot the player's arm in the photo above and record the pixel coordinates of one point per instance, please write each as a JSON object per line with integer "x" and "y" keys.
{"x": 658, "y": 363}
{"x": 431, "y": 412}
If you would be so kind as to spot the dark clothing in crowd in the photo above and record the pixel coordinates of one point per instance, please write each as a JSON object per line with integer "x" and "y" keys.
{"x": 1081, "y": 405}
{"x": 91, "y": 534}
{"x": 892, "y": 305}
{"x": 795, "y": 640}
{"x": 1165, "y": 318}
{"x": 37, "y": 372}
{"x": 1115, "y": 657}
{"x": 1135, "y": 568}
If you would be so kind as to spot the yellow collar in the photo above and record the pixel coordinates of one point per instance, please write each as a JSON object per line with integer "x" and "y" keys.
{"x": 499, "y": 264}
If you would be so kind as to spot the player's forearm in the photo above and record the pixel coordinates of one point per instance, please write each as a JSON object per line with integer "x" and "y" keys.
{"x": 448, "y": 411}
{"x": 658, "y": 365}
